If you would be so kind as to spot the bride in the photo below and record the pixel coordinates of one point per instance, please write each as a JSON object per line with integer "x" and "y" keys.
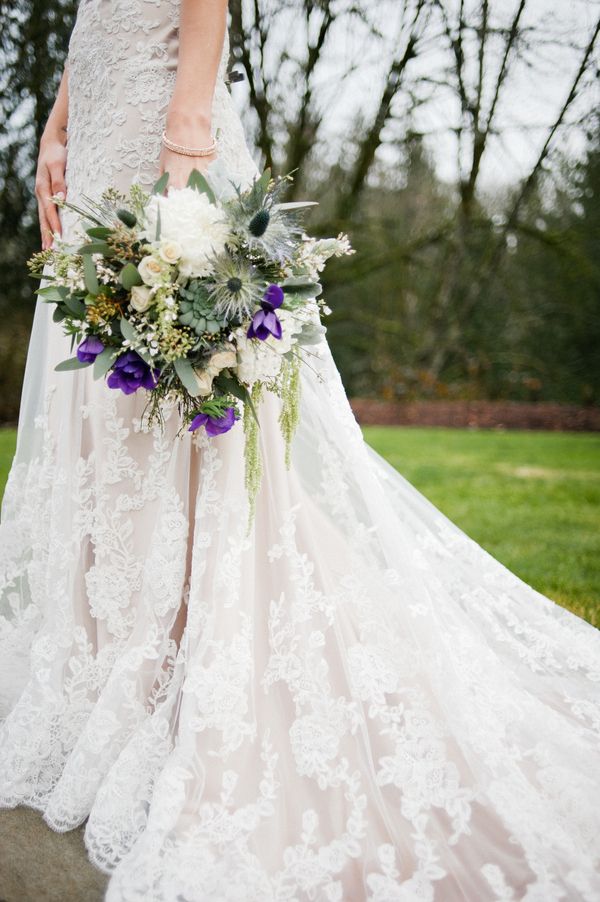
{"x": 352, "y": 702}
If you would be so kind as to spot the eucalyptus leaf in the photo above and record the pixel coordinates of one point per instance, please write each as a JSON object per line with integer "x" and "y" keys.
{"x": 311, "y": 334}
{"x": 96, "y": 247}
{"x": 75, "y": 306}
{"x": 58, "y": 315}
{"x": 89, "y": 275}
{"x": 185, "y": 371}
{"x": 103, "y": 362}
{"x": 304, "y": 290}
{"x": 53, "y": 293}
{"x": 130, "y": 276}
{"x": 71, "y": 364}
{"x": 128, "y": 332}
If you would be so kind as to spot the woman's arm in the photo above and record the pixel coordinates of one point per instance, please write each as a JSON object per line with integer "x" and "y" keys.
{"x": 52, "y": 163}
{"x": 201, "y": 34}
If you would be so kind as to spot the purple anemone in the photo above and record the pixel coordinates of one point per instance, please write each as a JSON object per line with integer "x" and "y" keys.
{"x": 214, "y": 425}
{"x": 130, "y": 372}
{"x": 89, "y": 349}
{"x": 265, "y": 321}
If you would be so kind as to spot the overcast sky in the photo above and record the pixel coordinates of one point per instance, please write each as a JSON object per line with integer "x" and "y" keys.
{"x": 535, "y": 92}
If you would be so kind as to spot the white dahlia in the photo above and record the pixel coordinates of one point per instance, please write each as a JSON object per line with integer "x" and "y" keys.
{"x": 189, "y": 220}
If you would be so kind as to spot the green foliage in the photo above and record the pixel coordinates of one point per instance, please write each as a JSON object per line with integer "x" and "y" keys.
{"x": 438, "y": 305}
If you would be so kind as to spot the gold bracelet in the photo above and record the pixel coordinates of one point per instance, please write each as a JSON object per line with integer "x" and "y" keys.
{"x": 189, "y": 151}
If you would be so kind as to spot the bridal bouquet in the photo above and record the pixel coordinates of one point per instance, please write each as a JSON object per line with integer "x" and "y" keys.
{"x": 205, "y": 297}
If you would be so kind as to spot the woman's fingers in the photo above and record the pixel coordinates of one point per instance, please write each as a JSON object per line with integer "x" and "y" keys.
{"x": 50, "y": 181}
{"x": 57, "y": 179}
{"x": 42, "y": 192}
{"x": 51, "y": 211}
{"x": 57, "y": 186}
{"x": 45, "y": 230}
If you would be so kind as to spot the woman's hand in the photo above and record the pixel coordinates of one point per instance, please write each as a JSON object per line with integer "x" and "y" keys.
{"x": 52, "y": 164}
{"x": 189, "y": 131}
{"x": 50, "y": 181}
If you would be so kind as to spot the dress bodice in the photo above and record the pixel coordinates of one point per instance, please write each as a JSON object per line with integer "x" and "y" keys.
{"x": 122, "y": 66}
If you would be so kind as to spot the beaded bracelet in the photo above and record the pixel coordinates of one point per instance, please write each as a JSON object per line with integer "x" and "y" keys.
{"x": 189, "y": 151}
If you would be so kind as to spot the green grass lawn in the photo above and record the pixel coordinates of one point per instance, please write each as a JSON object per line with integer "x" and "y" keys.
{"x": 530, "y": 498}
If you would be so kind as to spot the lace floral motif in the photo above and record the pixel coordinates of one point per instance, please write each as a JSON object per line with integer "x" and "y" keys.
{"x": 353, "y": 702}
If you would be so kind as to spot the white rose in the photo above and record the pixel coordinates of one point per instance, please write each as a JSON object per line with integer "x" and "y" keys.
{"x": 151, "y": 270}
{"x": 170, "y": 251}
{"x": 140, "y": 298}
{"x": 222, "y": 359}
{"x": 204, "y": 381}
{"x": 188, "y": 218}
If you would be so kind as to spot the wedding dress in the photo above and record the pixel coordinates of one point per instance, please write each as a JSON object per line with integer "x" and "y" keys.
{"x": 352, "y": 702}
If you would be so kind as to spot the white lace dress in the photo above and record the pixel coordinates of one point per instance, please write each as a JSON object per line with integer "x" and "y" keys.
{"x": 354, "y": 702}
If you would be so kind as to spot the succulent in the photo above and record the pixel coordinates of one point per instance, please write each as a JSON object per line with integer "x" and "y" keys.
{"x": 197, "y": 309}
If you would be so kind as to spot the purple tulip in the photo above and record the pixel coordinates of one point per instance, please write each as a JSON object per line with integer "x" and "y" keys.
{"x": 130, "y": 372}
{"x": 214, "y": 425}
{"x": 265, "y": 321}
{"x": 89, "y": 349}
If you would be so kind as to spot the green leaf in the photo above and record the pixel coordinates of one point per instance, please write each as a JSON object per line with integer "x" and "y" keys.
{"x": 58, "y": 315}
{"x": 96, "y": 247}
{"x": 197, "y": 181}
{"x": 231, "y": 386}
{"x": 101, "y": 232}
{"x": 128, "y": 332}
{"x": 104, "y": 361}
{"x": 130, "y": 276}
{"x": 71, "y": 364}
{"x": 127, "y": 218}
{"x": 301, "y": 288}
{"x": 53, "y": 293}
{"x": 89, "y": 275}
{"x": 296, "y": 205}
{"x": 161, "y": 184}
{"x": 75, "y": 306}
{"x": 264, "y": 180}
{"x": 158, "y": 224}
{"x": 185, "y": 371}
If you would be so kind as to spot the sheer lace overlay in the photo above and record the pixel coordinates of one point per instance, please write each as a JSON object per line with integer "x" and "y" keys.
{"x": 353, "y": 702}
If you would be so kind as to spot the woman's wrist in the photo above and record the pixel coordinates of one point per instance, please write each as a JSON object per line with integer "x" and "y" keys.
{"x": 55, "y": 130}
{"x": 188, "y": 126}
